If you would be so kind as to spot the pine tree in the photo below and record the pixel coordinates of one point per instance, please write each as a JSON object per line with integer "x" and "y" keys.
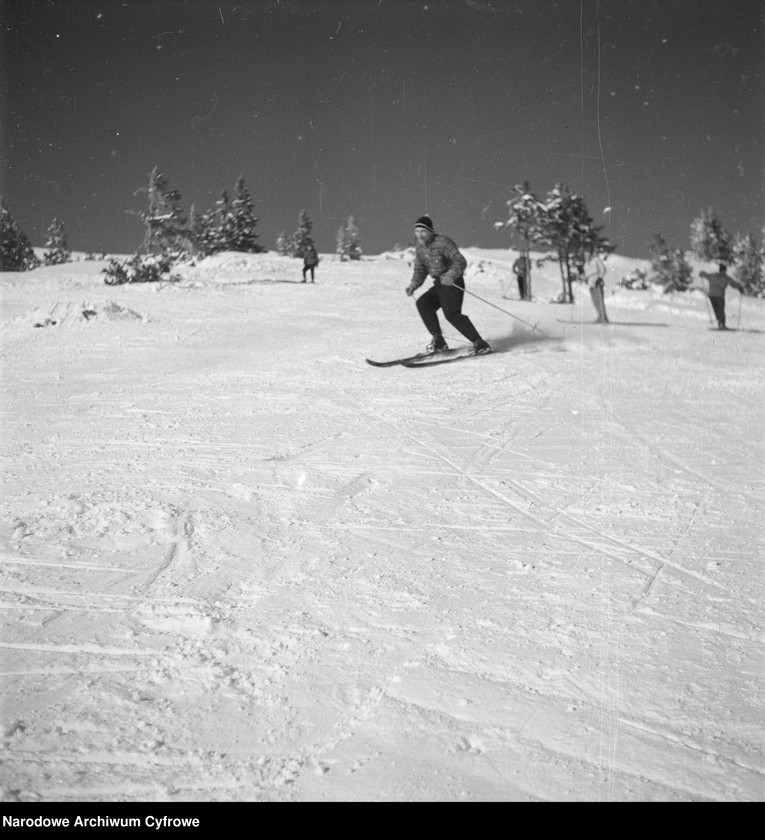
{"x": 282, "y": 243}
{"x": 195, "y": 227}
{"x": 223, "y": 234}
{"x": 348, "y": 242}
{"x": 56, "y": 244}
{"x": 243, "y": 222}
{"x": 354, "y": 241}
{"x": 749, "y": 264}
{"x": 566, "y": 227}
{"x": 202, "y": 231}
{"x": 16, "y": 253}
{"x": 302, "y": 238}
{"x": 524, "y": 219}
{"x": 166, "y": 228}
{"x": 525, "y": 216}
{"x": 709, "y": 239}
{"x": 669, "y": 267}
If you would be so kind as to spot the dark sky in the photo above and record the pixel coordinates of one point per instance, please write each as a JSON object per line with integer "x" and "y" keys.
{"x": 384, "y": 109}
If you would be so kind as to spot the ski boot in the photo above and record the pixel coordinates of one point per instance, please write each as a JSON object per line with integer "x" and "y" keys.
{"x": 480, "y": 348}
{"x": 437, "y": 345}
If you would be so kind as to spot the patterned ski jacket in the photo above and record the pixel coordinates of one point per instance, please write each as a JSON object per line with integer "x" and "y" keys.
{"x": 441, "y": 259}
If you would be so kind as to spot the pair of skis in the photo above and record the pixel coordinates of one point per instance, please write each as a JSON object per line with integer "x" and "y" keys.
{"x": 442, "y": 357}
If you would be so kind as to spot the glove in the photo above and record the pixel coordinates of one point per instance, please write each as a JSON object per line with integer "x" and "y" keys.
{"x": 410, "y": 290}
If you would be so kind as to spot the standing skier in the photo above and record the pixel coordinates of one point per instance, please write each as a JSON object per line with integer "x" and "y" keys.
{"x": 439, "y": 257}
{"x": 521, "y": 270}
{"x": 717, "y": 285}
{"x": 310, "y": 261}
{"x": 595, "y": 274}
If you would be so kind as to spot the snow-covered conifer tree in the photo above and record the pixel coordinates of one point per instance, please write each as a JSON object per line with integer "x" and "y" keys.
{"x": 16, "y": 253}
{"x": 348, "y": 241}
{"x": 525, "y": 219}
{"x": 242, "y": 235}
{"x": 749, "y": 264}
{"x": 166, "y": 228}
{"x": 56, "y": 245}
{"x": 202, "y": 231}
{"x": 524, "y": 216}
{"x": 567, "y": 228}
{"x": 709, "y": 239}
{"x": 669, "y": 266}
{"x": 223, "y": 233}
{"x": 282, "y": 243}
{"x": 302, "y": 238}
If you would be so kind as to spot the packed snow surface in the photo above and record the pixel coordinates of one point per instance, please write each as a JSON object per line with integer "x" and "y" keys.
{"x": 239, "y": 563}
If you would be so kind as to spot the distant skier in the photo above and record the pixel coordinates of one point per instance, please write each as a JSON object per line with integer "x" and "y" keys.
{"x": 439, "y": 257}
{"x": 521, "y": 271}
{"x": 717, "y": 285}
{"x": 595, "y": 273}
{"x": 310, "y": 261}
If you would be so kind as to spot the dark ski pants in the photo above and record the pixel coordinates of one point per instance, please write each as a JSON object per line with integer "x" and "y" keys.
{"x": 718, "y": 304}
{"x": 310, "y": 268}
{"x": 448, "y": 298}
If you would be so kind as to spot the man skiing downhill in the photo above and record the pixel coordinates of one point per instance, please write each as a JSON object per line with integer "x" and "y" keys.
{"x": 438, "y": 256}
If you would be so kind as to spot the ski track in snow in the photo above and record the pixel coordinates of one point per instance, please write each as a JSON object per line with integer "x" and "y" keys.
{"x": 238, "y": 563}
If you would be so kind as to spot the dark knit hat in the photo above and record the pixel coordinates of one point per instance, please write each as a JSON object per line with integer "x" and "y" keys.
{"x": 425, "y": 222}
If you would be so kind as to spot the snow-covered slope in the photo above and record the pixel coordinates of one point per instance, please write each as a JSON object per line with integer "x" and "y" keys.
{"x": 238, "y": 563}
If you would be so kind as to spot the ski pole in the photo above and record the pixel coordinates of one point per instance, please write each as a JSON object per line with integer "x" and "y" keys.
{"x": 533, "y": 326}
{"x": 740, "y": 301}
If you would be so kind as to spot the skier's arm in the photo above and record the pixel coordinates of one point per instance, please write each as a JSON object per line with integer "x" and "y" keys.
{"x": 457, "y": 264}
{"x": 419, "y": 274}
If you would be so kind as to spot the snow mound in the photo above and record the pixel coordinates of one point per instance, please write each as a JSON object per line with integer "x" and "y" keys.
{"x": 235, "y": 268}
{"x": 112, "y": 311}
{"x": 57, "y": 315}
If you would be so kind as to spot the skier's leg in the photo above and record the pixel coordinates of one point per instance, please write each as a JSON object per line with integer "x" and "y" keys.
{"x": 718, "y": 304}
{"x": 602, "y": 298}
{"x": 305, "y": 268}
{"x": 428, "y": 305}
{"x": 595, "y": 300}
{"x": 451, "y": 300}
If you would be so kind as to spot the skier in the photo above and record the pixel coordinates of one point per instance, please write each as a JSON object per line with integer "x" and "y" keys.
{"x": 438, "y": 256}
{"x": 521, "y": 271}
{"x": 595, "y": 273}
{"x": 310, "y": 261}
{"x": 717, "y": 284}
